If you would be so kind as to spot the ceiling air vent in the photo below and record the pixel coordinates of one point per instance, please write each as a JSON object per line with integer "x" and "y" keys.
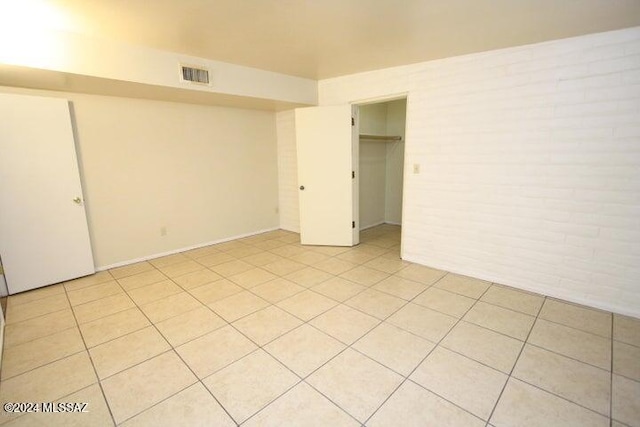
{"x": 195, "y": 75}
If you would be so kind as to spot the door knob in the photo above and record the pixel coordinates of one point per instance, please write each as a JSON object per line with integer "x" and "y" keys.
{"x": 302, "y": 187}
{"x": 77, "y": 200}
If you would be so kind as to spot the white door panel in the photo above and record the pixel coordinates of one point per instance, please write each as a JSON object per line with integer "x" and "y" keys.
{"x": 324, "y": 147}
{"x": 44, "y": 237}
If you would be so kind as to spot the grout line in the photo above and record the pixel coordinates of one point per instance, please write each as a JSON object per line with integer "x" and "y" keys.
{"x": 50, "y": 362}
{"x": 35, "y": 317}
{"x": 109, "y": 314}
{"x": 384, "y": 254}
{"x": 516, "y": 361}
{"x": 37, "y": 296}
{"x": 329, "y": 360}
{"x": 559, "y": 396}
{"x": 314, "y": 316}
{"x": 610, "y": 338}
{"x": 173, "y": 350}
{"x": 11, "y": 346}
{"x": 259, "y": 347}
{"x": 326, "y": 362}
{"x": 565, "y": 356}
{"x": 331, "y": 400}
{"x": 135, "y": 364}
{"x": 272, "y": 400}
{"x": 611, "y": 376}
{"x": 77, "y": 325}
{"x": 117, "y": 338}
{"x": 93, "y": 365}
{"x": 137, "y": 306}
{"x": 379, "y": 322}
{"x": 407, "y": 377}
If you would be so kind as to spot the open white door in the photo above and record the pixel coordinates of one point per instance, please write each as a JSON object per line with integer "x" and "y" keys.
{"x": 44, "y": 238}
{"x": 324, "y": 138}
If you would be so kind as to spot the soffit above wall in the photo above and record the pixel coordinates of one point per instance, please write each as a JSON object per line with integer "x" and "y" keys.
{"x": 328, "y": 38}
{"x": 30, "y": 78}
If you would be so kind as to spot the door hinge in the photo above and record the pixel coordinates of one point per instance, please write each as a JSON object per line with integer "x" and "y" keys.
{"x": 353, "y": 121}
{"x": 353, "y": 224}
{"x": 353, "y": 174}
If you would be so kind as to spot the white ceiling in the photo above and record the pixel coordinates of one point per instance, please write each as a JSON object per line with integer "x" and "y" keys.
{"x": 327, "y": 38}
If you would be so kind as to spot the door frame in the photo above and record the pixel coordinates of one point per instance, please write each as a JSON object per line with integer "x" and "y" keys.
{"x": 356, "y": 156}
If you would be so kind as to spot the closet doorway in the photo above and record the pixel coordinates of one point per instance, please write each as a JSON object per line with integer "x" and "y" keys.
{"x": 381, "y": 126}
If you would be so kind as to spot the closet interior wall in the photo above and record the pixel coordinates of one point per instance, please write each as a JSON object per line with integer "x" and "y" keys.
{"x": 381, "y": 163}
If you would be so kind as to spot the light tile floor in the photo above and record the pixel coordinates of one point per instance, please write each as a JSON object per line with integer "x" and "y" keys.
{"x": 262, "y": 331}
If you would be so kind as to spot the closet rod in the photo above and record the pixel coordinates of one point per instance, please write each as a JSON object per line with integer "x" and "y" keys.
{"x": 381, "y": 137}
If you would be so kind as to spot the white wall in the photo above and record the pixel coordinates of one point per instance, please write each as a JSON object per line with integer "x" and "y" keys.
{"x": 204, "y": 173}
{"x": 530, "y": 164}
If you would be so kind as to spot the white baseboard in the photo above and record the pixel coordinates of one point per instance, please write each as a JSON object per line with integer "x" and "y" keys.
{"x": 538, "y": 289}
{"x": 379, "y": 223}
{"x": 4, "y": 291}
{"x": 2, "y": 322}
{"x": 366, "y": 227}
{"x": 188, "y": 248}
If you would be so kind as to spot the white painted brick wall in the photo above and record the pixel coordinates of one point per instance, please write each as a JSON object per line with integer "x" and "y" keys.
{"x": 287, "y": 171}
{"x": 530, "y": 164}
